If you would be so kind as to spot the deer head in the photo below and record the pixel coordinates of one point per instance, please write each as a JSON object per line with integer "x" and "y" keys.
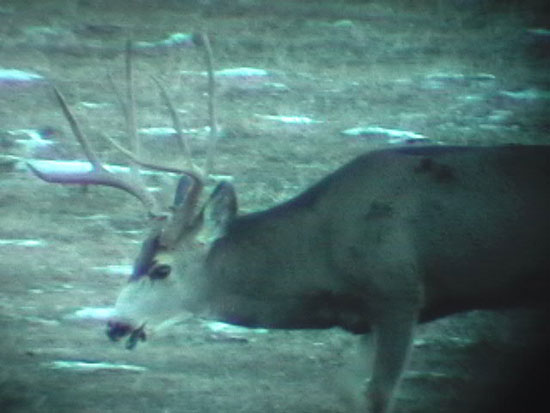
{"x": 159, "y": 281}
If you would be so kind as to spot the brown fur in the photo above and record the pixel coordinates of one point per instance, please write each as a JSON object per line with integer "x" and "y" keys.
{"x": 393, "y": 238}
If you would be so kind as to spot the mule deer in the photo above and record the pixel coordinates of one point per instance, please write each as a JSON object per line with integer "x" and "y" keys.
{"x": 393, "y": 238}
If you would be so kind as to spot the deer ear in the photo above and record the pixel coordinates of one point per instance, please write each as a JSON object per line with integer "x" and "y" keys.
{"x": 218, "y": 212}
{"x": 182, "y": 190}
{"x": 183, "y": 211}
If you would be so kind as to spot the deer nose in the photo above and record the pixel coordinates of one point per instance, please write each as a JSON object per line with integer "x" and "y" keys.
{"x": 117, "y": 329}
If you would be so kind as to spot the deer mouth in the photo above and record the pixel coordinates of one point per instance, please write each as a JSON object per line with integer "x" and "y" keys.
{"x": 116, "y": 330}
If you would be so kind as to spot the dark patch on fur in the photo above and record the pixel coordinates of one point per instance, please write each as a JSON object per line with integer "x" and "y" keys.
{"x": 355, "y": 253}
{"x": 379, "y": 210}
{"x": 442, "y": 173}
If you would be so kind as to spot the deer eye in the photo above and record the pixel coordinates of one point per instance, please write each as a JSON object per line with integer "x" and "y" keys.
{"x": 160, "y": 272}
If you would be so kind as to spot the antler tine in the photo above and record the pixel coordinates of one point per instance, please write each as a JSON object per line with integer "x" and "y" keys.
{"x": 130, "y": 112}
{"x": 77, "y": 132}
{"x": 182, "y": 139}
{"x": 98, "y": 175}
{"x": 183, "y": 142}
{"x": 213, "y": 140}
{"x": 128, "y": 109}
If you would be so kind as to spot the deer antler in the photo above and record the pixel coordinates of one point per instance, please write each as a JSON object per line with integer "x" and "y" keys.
{"x": 100, "y": 174}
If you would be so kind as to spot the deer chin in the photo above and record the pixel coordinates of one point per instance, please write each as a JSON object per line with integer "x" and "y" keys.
{"x": 134, "y": 331}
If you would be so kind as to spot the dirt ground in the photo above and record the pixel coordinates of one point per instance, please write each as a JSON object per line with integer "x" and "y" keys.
{"x": 457, "y": 72}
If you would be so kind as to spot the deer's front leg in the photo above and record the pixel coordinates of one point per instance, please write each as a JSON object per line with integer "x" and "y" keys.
{"x": 391, "y": 343}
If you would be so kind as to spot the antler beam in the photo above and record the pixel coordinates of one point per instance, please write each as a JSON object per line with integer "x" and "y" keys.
{"x": 99, "y": 174}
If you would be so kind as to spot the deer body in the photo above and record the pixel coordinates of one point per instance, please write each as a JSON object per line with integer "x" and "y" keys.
{"x": 395, "y": 237}
{"x": 449, "y": 228}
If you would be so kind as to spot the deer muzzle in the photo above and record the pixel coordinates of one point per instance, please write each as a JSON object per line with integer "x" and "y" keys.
{"x": 118, "y": 329}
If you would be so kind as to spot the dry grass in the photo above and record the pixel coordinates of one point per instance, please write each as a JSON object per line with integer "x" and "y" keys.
{"x": 367, "y": 71}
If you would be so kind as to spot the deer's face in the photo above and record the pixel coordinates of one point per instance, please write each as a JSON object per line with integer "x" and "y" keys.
{"x": 168, "y": 279}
